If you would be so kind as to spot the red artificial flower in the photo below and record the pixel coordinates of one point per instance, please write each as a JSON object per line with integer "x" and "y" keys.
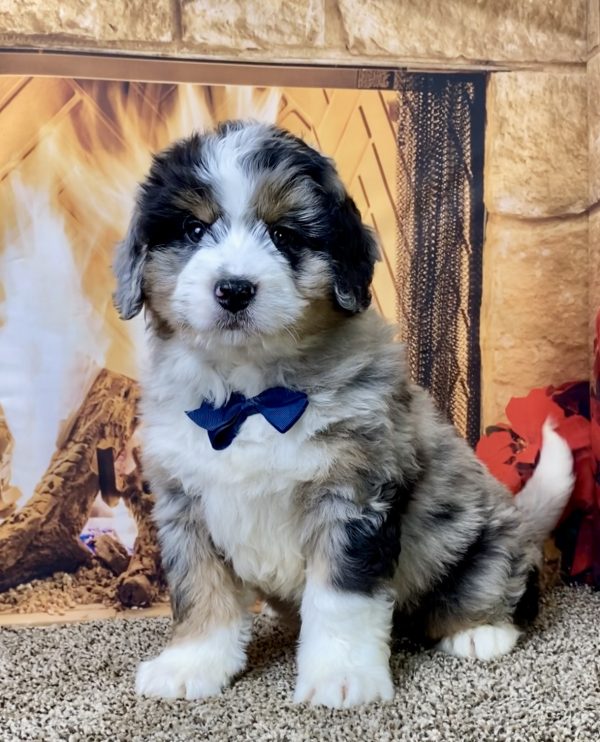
{"x": 511, "y": 451}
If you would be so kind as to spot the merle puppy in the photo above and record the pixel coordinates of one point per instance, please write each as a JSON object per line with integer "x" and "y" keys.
{"x": 289, "y": 453}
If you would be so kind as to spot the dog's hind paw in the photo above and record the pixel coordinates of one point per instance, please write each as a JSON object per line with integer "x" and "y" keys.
{"x": 486, "y": 642}
{"x": 345, "y": 688}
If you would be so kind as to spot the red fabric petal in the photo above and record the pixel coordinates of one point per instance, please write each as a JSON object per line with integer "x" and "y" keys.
{"x": 495, "y": 451}
{"x": 509, "y": 477}
{"x": 597, "y": 349}
{"x": 495, "y": 447}
{"x": 595, "y": 436}
{"x": 576, "y": 431}
{"x": 528, "y": 414}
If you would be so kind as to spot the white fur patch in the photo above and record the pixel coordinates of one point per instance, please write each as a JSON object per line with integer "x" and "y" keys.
{"x": 546, "y": 494}
{"x": 343, "y": 657}
{"x": 221, "y": 164}
{"x": 195, "y": 669}
{"x": 487, "y": 642}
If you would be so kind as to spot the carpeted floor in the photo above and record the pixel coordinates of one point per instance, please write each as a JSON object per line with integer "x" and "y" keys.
{"x": 75, "y": 683}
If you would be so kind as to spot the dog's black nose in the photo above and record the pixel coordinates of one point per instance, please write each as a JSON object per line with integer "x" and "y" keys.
{"x": 234, "y": 294}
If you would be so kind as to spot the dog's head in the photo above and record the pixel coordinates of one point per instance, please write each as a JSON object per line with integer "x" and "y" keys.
{"x": 237, "y": 232}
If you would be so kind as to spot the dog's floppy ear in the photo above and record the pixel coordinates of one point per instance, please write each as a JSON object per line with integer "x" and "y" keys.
{"x": 354, "y": 252}
{"x": 128, "y": 267}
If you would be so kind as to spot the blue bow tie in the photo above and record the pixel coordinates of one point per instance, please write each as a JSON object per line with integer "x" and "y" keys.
{"x": 281, "y": 407}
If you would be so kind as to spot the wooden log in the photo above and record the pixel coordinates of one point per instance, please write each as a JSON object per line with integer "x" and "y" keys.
{"x": 111, "y": 553}
{"x": 9, "y": 495}
{"x": 43, "y": 536}
{"x": 140, "y": 584}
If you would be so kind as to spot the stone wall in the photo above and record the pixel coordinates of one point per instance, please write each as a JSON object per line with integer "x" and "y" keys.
{"x": 438, "y": 33}
{"x": 535, "y": 297}
{"x": 541, "y": 194}
{"x": 542, "y": 178}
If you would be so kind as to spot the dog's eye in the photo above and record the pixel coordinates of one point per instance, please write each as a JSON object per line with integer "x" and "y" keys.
{"x": 285, "y": 238}
{"x": 194, "y": 229}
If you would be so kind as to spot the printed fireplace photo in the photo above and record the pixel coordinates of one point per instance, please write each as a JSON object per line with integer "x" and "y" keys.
{"x": 75, "y": 509}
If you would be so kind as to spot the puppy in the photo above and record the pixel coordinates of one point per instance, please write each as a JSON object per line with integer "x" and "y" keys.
{"x": 289, "y": 453}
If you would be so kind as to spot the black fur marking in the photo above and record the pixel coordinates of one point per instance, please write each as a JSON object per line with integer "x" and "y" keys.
{"x": 353, "y": 252}
{"x": 173, "y": 173}
{"x": 292, "y": 241}
{"x": 163, "y": 233}
{"x": 411, "y": 628}
{"x": 442, "y": 515}
{"x": 445, "y": 599}
{"x": 280, "y": 148}
{"x": 528, "y": 606}
{"x": 373, "y": 542}
{"x": 485, "y": 547}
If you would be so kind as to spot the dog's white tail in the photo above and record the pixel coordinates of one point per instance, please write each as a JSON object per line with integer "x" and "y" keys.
{"x": 544, "y": 497}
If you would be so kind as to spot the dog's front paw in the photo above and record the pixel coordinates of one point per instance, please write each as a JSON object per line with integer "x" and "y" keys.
{"x": 192, "y": 670}
{"x": 178, "y": 673}
{"x": 344, "y": 688}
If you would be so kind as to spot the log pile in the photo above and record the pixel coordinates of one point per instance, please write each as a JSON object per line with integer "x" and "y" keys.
{"x": 43, "y": 537}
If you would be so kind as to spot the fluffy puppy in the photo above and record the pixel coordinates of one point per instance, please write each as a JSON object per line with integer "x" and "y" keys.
{"x": 254, "y": 269}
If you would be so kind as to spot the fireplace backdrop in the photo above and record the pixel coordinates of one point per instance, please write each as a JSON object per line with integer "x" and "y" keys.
{"x": 410, "y": 147}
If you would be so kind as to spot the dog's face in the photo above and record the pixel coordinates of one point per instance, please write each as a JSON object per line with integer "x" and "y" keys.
{"x": 237, "y": 233}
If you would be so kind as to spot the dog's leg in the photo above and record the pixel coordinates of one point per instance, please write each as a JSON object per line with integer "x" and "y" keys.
{"x": 211, "y": 620}
{"x": 480, "y": 614}
{"x": 488, "y": 641}
{"x": 343, "y": 657}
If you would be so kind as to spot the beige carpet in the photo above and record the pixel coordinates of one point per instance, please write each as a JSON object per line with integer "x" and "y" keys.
{"x": 75, "y": 683}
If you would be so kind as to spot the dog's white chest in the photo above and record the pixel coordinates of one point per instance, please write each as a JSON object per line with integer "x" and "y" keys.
{"x": 260, "y": 535}
{"x": 247, "y": 491}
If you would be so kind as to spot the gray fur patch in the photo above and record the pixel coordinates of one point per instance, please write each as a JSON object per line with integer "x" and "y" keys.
{"x": 128, "y": 268}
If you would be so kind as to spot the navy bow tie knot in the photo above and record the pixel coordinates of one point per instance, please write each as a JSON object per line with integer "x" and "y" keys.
{"x": 281, "y": 407}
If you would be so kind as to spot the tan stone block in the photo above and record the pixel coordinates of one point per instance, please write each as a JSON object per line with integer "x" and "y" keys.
{"x": 536, "y": 144}
{"x": 594, "y": 126}
{"x": 118, "y": 20}
{"x": 253, "y": 24}
{"x": 594, "y": 238}
{"x": 537, "y": 30}
{"x": 593, "y": 24}
{"x": 534, "y": 317}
